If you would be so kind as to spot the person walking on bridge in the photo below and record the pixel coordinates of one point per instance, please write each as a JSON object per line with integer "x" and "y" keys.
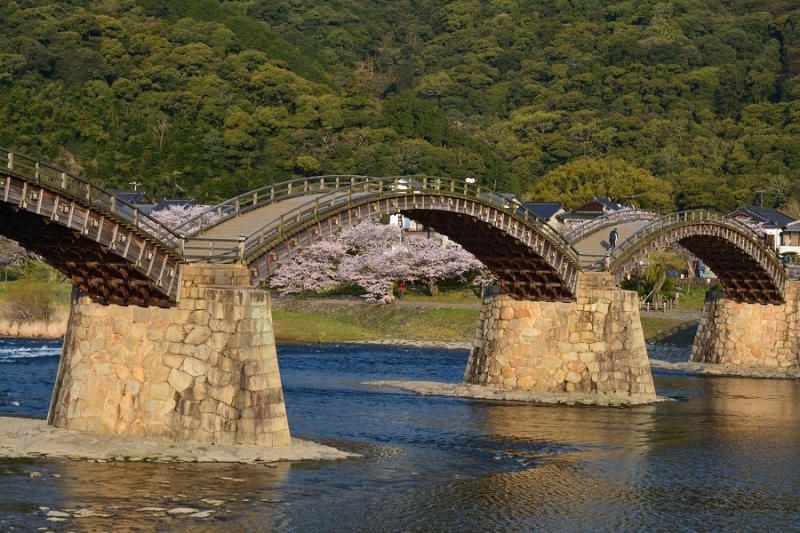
{"x": 612, "y": 239}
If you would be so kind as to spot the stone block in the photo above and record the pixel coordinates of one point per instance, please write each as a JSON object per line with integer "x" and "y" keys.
{"x": 198, "y": 335}
{"x": 225, "y": 394}
{"x": 159, "y": 391}
{"x": 179, "y": 381}
{"x": 195, "y": 367}
{"x": 158, "y": 373}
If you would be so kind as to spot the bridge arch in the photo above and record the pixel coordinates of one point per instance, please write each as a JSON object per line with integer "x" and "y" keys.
{"x": 745, "y": 264}
{"x": 529, "y": 258}
{"x": 105, "y": 247}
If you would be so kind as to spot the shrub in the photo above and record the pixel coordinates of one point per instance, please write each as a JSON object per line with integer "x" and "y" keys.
{"x": 29, "y": 301}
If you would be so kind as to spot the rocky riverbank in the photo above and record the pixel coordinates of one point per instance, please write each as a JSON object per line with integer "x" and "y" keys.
{"x": 441, "y": 345}
{"x": 662, "y": 355}
{"x": 675, "y": 357}
{"x": 30, "y": 438}
{"x": 462, "y": 390}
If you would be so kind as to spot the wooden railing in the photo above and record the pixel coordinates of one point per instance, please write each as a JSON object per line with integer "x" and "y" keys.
{"x": 685, "y": 218}
{"x": 264, "y": 196}
{"x": 199, "y": 248}
{"x": 618, "y": 217}
{"x": 82, "y": 191}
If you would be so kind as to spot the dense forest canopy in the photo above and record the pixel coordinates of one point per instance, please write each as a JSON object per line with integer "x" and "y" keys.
{"x": 205, "y": 98}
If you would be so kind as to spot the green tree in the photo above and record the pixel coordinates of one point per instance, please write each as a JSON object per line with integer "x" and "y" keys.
{"x": 577, "y": 182}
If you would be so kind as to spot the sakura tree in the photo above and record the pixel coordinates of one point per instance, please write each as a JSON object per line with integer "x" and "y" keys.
{"x": 315, "y": 269}
{"x": 175, "y": 215}
{"x": 434, "y": 260}
{"x": 374, "y": 257}
{"x": 376, "y": 270}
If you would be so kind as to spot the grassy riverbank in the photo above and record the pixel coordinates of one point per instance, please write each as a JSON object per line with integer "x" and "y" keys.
{"x": 34, "y": 309}
{"x": 450, "y": 317}
{"x": 350, "y": 319}
{"x": 327, "y": 320}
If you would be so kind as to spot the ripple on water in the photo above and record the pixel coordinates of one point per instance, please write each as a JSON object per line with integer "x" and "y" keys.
{"x": 723, "y": 459}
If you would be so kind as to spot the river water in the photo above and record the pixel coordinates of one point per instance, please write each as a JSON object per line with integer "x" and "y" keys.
{"x": 725, "y": 456}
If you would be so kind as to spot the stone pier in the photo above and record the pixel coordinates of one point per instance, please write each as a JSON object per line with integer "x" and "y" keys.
{"x": 205, "y": 370}
{"x": 743, "y": 334}
{"x": 594, "y": 344}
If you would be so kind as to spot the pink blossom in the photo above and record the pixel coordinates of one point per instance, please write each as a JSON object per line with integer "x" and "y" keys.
{"x": 175, "y": 215}
{"x": 374, "y": 257}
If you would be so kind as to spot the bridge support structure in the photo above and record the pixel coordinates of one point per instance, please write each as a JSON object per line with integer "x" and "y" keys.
{"x": 205, "y": 370}
{"x": 594, "y": 344}
{"x": 749, "y": 334}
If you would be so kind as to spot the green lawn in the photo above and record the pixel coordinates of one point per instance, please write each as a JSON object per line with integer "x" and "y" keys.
{"x": 338, "y": 323}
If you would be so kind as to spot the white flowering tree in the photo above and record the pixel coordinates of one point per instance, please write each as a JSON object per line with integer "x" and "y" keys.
{"x": 175, "y": 215}
{"x": 374, "y": 257}
{"x": 433, "y": 260}
{"x": 315, "y": 269}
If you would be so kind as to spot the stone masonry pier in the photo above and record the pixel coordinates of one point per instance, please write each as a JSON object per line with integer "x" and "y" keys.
{"x": 744, "y": 334}
{"x": 205, "y": 370}
{"x": 594, "y": 344}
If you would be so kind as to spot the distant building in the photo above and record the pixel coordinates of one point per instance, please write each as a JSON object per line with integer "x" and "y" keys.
{"x": 774, "y": 223}
{"x": 135, "y": 198}
{"x": 547, "y": 211}
{"x": 166, "y": 203}
{"x": 790, "y": 238}
{"x": 596, "y": 207}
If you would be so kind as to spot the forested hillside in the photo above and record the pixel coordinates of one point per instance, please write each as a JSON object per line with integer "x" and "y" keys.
{"x": 662, "y": 103}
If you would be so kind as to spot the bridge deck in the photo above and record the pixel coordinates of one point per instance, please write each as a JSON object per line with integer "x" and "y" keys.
{"x": 229, "y": 230}
{"x": 593, "y": 247}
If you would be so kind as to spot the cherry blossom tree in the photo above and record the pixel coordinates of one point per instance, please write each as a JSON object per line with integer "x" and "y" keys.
{"x": 374, "y": 257}
{"x": 175, "y": 215}
{"x": 315, "y": 269}
{"x": 376, "y": 270}
{"x": 434, "y": 260}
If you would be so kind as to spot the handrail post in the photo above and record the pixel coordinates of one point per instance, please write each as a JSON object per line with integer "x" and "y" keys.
{"x": 136, "y": 216}
{"x": 242, "y": 239}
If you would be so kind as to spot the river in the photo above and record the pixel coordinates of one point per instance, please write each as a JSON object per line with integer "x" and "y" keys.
{"x": 722, "y": 457}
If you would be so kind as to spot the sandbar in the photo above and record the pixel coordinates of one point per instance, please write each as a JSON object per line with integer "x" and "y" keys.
{"x": 27, "y": 438}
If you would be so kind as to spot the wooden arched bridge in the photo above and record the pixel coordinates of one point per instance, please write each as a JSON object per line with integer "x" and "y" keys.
{"x": 112, "y": 251}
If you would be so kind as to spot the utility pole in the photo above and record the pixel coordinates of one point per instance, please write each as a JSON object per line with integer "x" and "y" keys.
{"x": 761, "y": 193}
{"x": 135, "y": 184}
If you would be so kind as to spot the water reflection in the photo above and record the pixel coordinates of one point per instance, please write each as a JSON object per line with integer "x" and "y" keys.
{"x": 137, "y": 496}
{"x": 722, "y": 458}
